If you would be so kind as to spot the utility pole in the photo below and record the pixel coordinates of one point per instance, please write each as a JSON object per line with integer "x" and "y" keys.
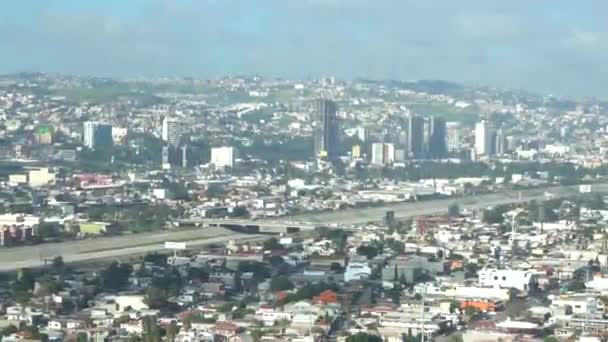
{"x": 422, "y": 334}
{"x": 513, "y": 231}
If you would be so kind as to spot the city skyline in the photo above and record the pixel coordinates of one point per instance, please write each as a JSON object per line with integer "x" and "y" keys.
{"x": 550, "y": 47}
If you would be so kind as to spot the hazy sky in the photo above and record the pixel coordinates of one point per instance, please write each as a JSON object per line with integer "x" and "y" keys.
{"x": 558, "y": 46}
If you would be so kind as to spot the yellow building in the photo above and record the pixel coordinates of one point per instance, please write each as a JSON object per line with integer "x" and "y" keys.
{"x": 356, "y": 152}
{"x": 95, "y": 228}
{"x": 33, "y": 176}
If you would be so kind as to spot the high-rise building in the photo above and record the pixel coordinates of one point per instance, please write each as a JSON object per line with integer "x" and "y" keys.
{"x": 500, "y": 143}
{"x": 415, "y": 135}
{"x": 166, "y": 157}
{"x": 97, "y": 134}
{"x": 223, "y": 157}
{"x": 383, "y": 153}
{"x": 186, "y": 156}
{"x": 437, "y": 138}
{"x": 326, "y": 129}
{"x": 173, "y": 131}
{"x": 356, "y": 152}
{"x": 483, "y": 139}
{"x": 454, "y": 141}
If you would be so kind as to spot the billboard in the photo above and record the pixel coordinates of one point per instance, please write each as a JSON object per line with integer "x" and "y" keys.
{"x": 175, "y": 245}
{"x": 585, "y": 188}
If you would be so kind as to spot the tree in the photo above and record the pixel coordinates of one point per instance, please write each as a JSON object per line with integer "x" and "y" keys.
{"x": 368, "y": 251}
{"x": 156, "y": 298}
{"x": 115, "y": 277}
{"x": 9, "y": 330}
{"x": 240, "y": 211}
{"x": 454, "y": 305}
{"x": 49, "y": 284}
{"x": 82, "y": 337}
{"x": 364, "y": 337}
{"x": 260, "y": 270}
{"x": 550, "y": 339}
{"x": 281, "y": 283}
{"x": 58, "y": 263}
{"x": 594, "y": 201}
{"x": 454, "y": 210}
{"x": 156, "y": 258}
{"x": 198, "y": 273}
{"x": 471, "y": 269}
{"x": 494, "y": 215}
{"x": 336, "y": 267}
{"x": 272, "y": 244}
{"x": 172, "y": 330}
{"x": 471, "y": 311}
{"x": 151, "y": 329}
{"x": 276, "y": 261}
{"x": 456, "y": 338}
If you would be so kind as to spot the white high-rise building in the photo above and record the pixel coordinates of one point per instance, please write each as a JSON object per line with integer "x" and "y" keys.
{"x": 173, "y": 130}
{"x": 383, "y": 154}
{"x": 223, "y": 157}
{"x": 483, "y": 139}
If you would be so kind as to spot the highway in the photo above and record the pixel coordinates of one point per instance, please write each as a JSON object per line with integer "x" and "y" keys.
{"x": 342, "y": 219}
{"x": 412, "y": 209}
{"x": 126, "y": 245}
{"x": 113, "y": 247}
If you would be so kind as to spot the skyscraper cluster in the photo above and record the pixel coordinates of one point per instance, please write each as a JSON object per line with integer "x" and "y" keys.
{"x": 425, "y": 137}
{"x": 489, "y": 141}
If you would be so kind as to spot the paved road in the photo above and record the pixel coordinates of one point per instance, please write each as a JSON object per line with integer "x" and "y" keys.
{"x": 112, "y": 247}
{"x": 411, "y": 209}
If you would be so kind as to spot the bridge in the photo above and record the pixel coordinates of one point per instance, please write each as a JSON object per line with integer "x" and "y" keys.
{"x": 258, "y": 226}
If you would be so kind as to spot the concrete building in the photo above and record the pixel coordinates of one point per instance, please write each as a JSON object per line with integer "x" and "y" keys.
{"x": 483, "y": 139}
{"x": 174, "y": 130}
{"x": 326, "y": 129}
{"x": 223, "y": 157}
{"x": 454, "y": 140}
{"x": 437, "y": 138}
{"x": 383, "y": 153}
{"x": 119, "y": 134}
{"x": 34, "y": 177}
{"x": 521, "y": 280}
{"x": 415, "y": 136}
{"x": 97, "y": 134}
{"x": 356, "y": 152}
{"x": 357, "y": 271}
{"x": 500, "y": 143}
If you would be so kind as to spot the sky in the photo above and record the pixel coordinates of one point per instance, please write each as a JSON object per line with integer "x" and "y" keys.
{"x": 549, "y": 46}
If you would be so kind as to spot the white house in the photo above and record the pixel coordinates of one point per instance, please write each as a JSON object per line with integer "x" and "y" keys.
{"x": 520, "y": 280}
{"x": 357, "y": 271}
{"x": 269, "y": 316}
